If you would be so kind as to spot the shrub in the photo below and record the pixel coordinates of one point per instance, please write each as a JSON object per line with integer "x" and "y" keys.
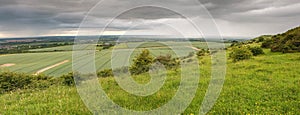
{"x": 110, "y": 72}
{"x": 68, "y": 79}
{"x": 234, "y": 43}
{"x": 241, "y": 53}
{"x": 288, "y": 42}
{"x": 168, "y": 61}
{"x": 201, "y": 53}
{"x": 260, "y": 39}
{"x": 267, "y": 43}
{"x": 42, "y": 81}
{"x": 141, "y": 63}
{"x": 286, "y": 49}
{"x": 105, "y": 73}
{"x": 10, "y": 81}
{"x": 256, "y": 51}
{"x": 107, "y": 47}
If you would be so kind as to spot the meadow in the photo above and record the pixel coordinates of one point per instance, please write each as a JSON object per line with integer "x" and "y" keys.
{"x": 266, "y": 84}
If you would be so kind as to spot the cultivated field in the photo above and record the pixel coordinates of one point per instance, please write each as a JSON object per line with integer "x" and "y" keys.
{"x": 46, "y": 59}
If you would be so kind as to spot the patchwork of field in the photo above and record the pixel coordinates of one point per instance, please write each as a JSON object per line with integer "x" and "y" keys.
{"x": 33, "y": 62}
{"x": 50, "y": 63}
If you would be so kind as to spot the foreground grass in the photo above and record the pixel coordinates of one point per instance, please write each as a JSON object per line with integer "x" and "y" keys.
{"x": 267, "y": 84}
{"x": 55, "y": 100}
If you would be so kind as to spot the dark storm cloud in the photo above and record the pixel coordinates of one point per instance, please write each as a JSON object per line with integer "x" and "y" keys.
{"x": 48, "y": 15}
{"x": 227, "y": 8}
{"x": 9, "y": 13}
{"x": 22, "y": 17}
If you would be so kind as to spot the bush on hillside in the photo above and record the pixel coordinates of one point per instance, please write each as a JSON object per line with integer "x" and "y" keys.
{"x": 110, "y": 72}
{"x": 234, "y": 43}
{"x": 168, "y": 61}
{"x": 68, "y": 79}
{"x": 10, "y": 81}
{"x": 42, "y": 81}
{"x": 256, "y": 51}
{"x": 105, "y": 73}
{"x": 241, "y": 53}
{"x": 267, "y": 43}
{"x": 107, "y": 47}
{"x": 201, "y": 53}
{"x": 141, "y": 63}
{"x": 260, "y": 39}
{"x": 288, "y": 42}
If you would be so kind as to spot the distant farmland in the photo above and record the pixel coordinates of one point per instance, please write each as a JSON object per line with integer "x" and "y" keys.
{"x": 45, "y": 58}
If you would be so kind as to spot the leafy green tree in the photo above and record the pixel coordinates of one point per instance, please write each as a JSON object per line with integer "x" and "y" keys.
{"x": 141, "y": 63}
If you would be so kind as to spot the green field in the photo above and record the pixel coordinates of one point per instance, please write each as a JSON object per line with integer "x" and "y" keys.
{"x": 61, "y": 48}
{"x": 33, "y": 62}
{"x": 267, "y": 84}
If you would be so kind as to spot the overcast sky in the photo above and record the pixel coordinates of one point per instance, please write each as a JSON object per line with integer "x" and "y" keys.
{"x": 249, "y": 18}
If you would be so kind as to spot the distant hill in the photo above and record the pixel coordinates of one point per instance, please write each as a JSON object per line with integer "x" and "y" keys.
{"x": 133, "y": 38}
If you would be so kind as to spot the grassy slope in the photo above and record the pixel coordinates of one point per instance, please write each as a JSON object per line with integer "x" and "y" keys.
{"x": 265, "y": 84}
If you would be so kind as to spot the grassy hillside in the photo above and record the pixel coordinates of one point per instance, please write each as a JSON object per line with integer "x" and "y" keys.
{"x": 287, "y": 42}
{"x": 266, "y": 84}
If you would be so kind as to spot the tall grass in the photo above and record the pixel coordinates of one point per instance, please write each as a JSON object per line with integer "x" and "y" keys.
{"x": 266, "y": 84}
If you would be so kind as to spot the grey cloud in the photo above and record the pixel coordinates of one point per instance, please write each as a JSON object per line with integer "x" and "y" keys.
{"x": 48, "y": 15}
{"x": 18, "y": 18}
{"x": 22, "y": 12}
{"x": 225, "y": 8}
{"x": 7, "y": 2}
{"x": 149, "y": 12}
{"x": 69, "y": 18}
